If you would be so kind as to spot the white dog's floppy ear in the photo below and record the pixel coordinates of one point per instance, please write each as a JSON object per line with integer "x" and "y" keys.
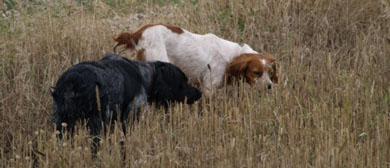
{"x": 274, "y": 77}
{"x": 237, "y": 68}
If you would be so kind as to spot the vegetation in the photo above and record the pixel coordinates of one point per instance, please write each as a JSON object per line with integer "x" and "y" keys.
{"x": 330, "y": 109}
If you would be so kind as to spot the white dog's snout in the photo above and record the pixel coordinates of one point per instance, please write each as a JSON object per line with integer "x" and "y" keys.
{"x": 264, "y": 81}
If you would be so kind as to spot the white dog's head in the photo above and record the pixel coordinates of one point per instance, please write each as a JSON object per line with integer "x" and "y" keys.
{"x": 256, "y": 69}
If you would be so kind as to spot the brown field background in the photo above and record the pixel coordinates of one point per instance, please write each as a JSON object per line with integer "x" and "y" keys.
{"x": 330, "y": 108}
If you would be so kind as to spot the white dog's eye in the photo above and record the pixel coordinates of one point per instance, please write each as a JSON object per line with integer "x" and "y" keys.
{"x": 257, "y": 73}
{"x": 271, "y": 72}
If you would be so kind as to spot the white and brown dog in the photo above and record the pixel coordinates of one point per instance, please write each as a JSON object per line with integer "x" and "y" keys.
{"x": 205, "y": 59}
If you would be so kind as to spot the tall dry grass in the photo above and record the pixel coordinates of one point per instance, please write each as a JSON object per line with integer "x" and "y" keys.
{"x": 330, "y": 109}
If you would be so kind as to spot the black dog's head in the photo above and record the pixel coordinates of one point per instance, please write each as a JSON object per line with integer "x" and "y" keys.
{"x": 171, "y": 85}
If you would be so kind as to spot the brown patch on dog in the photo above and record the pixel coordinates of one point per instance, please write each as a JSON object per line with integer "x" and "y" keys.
{"x": 132, "y": 39}
{"x": 141, "y": 55}
{"x": 247, "y": 67}
{"x": 274, "y": 77}
{"x": 272, "y": 71}
{"x": 123, "y": 38}
{"x": 267, "y": 57}
{"x": 174, "y": 29}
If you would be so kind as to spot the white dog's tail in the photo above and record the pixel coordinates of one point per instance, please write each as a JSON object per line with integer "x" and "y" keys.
{"x": 124, "y": 38}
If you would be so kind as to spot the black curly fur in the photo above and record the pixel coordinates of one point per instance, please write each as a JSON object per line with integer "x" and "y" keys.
{"x": 122, "y": 85}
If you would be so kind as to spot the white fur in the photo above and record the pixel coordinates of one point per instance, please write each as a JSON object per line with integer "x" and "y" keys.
{"x": 263, "y": 61}
{"x": 192, "y": 53}
{"x": 264, "y": 80}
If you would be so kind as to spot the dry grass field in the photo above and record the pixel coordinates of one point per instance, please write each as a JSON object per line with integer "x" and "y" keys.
{"x": 331, "y": 107}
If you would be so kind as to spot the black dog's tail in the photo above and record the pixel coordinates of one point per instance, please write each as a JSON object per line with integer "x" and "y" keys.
{"x": 73, "y": 95}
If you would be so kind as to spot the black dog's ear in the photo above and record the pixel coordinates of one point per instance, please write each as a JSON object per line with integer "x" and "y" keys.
{"x": 159, "y": 80}
{"x": 160, "y": 90}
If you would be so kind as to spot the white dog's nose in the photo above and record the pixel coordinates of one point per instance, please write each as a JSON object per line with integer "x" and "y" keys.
{"x": 269, "y": 86}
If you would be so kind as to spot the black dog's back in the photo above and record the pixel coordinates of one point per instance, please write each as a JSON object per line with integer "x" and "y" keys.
{"x": 111, "y": 88}
{"x": 75, "y": 95}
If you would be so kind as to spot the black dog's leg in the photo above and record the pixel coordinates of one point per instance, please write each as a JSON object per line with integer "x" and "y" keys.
{"x": 95, "y": 127}
{"x": 122, "y": 141}
{"x": 123, "y": 123}
{"x": 134, "y": 116}
{"x": 123, "y": 119}
{"x": 60, "y": 130}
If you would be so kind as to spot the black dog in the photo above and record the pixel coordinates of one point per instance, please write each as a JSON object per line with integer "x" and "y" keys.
{"x": 113, "y": 88}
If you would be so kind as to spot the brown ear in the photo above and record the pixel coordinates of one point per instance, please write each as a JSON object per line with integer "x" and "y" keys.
{"x": 124, "y": 38}
{"x": 274, "y": 77}
{"x": 237, "y": 69}
{"x": 268, "y": 57}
